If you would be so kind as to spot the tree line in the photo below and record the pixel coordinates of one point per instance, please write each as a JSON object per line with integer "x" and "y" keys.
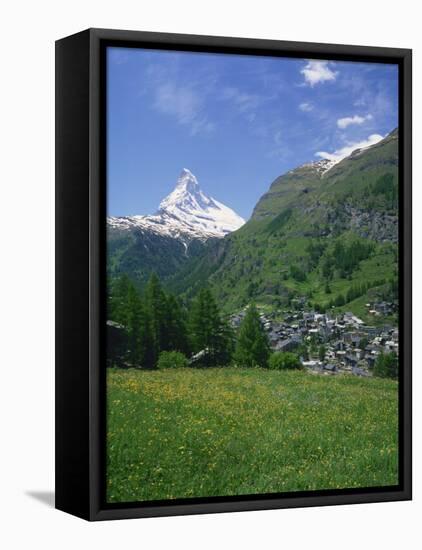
{"x": 157, "y": 322}
{"x": 162, "y": 331}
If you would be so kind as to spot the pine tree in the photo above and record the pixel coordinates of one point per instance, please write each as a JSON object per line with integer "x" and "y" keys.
{"x": 134, "y": 312}
{"x": 117, "y": 308}
{"x": 142, "y": 348}
{"x": 228, "y": 343}
{"x": 134, "y": 325}
{"x": 252, "y": 347}
{"x": 148, "y": 345}
{"x": 176, "y": 326}
{"x": 327, "y": 269}
{"x": 199, "y": 322}
{"x": 156, "y": 307}
{"x": 386, "y": 365}
{"x": 207, "y": 330}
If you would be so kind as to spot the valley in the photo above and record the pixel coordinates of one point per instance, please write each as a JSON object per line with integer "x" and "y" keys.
{"x": 253, "y": 338}
{"x": 320, "y": 250}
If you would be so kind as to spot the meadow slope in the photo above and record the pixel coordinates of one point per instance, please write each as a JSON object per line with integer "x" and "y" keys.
{"x": 198, "y": 433}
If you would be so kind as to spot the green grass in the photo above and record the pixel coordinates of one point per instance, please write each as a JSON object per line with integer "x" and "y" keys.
{"x": 199, "y": 433}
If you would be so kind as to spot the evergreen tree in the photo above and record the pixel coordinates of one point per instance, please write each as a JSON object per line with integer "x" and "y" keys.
{"x": 134, "y": 324}
{"x": 315, "y": 249}
{"x": 207, "y": 330}
{"x": 148, "y": 344}
{"x": 141, "y": 340}
{"x": 128, "y": 308}
{"x": 302, "y": 351}
{"x": 321, "y": 352}
{"x": 117, "y": 308}
{"x": 198, "y": 323}
{"x": 363, "y": 342}
{"x": 252, "y": 347}
{"x": 386, "y": 366}
{"x": 228, "y": 342}
{"x": 156, "y": 307}
{"x": 327, "y": 268}
{"x": 313, "y": 344}
{"x": 339, "y": 300}
{"x": 176, "y": 326}
{"x": 281, "y": 360}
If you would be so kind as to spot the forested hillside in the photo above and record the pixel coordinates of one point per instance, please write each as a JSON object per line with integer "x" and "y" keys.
{"x": 324, "y": 237}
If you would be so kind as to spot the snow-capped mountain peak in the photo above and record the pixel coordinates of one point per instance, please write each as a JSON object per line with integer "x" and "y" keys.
{"x": 187, "y": 213}
{"x": 187, "y": 180}
{"x": 187, "y": 196}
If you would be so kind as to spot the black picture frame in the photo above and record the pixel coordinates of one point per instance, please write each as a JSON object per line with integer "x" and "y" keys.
{"x": 80, "y": 272}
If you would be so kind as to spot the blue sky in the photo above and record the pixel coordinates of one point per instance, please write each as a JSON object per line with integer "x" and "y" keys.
{"x": 237, "y": 122}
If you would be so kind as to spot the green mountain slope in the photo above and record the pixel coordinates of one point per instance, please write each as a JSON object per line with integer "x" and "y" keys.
{"x": 139, "y": 253}
{"x": 322, "y": 238}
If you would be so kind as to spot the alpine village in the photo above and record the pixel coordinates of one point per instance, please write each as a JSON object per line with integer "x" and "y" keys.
{"x": 257, "y": 357}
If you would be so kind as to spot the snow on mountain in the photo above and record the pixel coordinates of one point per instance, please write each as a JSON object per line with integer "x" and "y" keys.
{"x": 320, "y": 166}
{"x": 186, "y": 213}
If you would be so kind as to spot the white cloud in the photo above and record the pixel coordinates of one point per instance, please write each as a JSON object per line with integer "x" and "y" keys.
{"x": 185, "y": 104}
{"x": 345, "y": 151}
{"x": 356, "y": 119}
{"x": 318, "y": 71}
{"x": 306, "y": 107}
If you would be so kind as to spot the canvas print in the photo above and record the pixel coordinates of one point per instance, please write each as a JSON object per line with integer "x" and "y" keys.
{"x": 252, "y": 275}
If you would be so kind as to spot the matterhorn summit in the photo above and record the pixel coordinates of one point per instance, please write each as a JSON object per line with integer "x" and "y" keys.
{"x": 187, "y": 196}
{"x": 186, "y": 213}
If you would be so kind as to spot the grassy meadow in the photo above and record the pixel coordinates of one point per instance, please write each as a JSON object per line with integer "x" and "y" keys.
{"x": 180, "y": 433}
